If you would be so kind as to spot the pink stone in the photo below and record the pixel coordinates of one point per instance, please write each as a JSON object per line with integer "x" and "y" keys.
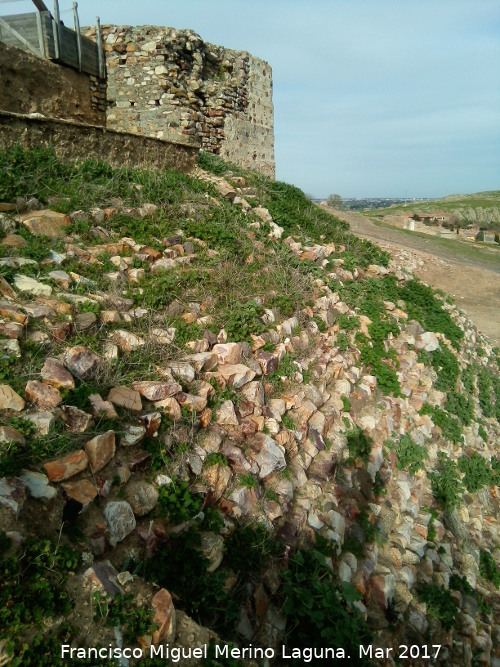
{"x": 42, "y": 395}
{"x": 83, "y": 491}
{"x": 102, "y": 408}
{"x": 228, "y": 353}
{"x": 164, "y": 616}
{"x": 267, "y": 361}
{"x": 81, "y": 361}
{"x": 46, "y": 223}
{"x": 156, "y": 391}
{"x": 67, "y": 466}
{"x": 130, "y": 399}
{"x": 9, "y": 399}
{"x": 54, "y": 373}
{"x": 100, "y": 450}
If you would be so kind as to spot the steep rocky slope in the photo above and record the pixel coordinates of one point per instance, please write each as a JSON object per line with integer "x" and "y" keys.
{"x": 224, "y": 418}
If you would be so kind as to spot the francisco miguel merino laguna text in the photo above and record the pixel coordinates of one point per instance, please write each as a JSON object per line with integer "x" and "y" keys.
{"x": 176, "y": 653}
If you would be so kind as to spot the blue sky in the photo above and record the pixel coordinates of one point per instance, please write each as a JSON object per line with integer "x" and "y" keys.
{"x": 371, "y": 97}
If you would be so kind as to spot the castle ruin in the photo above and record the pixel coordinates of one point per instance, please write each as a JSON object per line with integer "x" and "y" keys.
{"x": 172, "y": 85}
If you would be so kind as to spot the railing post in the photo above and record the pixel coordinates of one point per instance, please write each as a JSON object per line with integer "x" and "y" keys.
{"x": 78, "y": 35}
{"x": 56, "y": 22}
{"x": 40, "y": 34}
{"x": 100, "y": 53}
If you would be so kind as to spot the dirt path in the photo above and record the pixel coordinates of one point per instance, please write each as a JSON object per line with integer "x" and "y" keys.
{"x": 472, "y": 281}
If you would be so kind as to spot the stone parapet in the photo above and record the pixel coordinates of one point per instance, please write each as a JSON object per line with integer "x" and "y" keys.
{"x": 74, "y": 141}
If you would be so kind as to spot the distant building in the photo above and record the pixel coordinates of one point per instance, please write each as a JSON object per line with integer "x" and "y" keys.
{"x": 446, "y": 233}
{"x": 441, "y": 217}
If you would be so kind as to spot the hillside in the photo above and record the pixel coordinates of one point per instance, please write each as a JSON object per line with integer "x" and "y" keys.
{"x": 449, "y": 203}
{"x": 224, "y": 418}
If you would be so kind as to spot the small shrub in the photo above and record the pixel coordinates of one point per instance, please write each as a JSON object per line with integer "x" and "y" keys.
{"x": 343, "y": 341}
{"x": 179, "y": 566}
{"x": 221, "y": 395}
{"x": 6, "y": 367}
{"x": 177, "y": 503}
{"x": 248, "y": 480}
{"x": 481, "y": 431}
{"x": 243, "y": 320}
{"x": 440, "y": 604}
{"x": 286, "y": 369}
{"x": 320, "y": 323}
{"x": 446, "y": 485}
{"x": 213, "y": 521}
{"x": 216, "y": 458}
{"x": 32, "y": 588}
{"x": 424, "y": 306}
{"x": 88, "y": 307}
{"x": 477, "y": 472}
{"x": 446, "y": 366}
{"x": 185, "y": 332}
{"x": 249, "y": 549}
{"x": 348, "y": 322}
{"x": 431, "y": 528}
{"x": 367, "y": 526}
{"x": 495, "y": 467}
{"x": 489, "y": 393}
{"x": 450, "y": 426}
{"x": 469, "y": 380}
{"x": 359, "y": 445}
{"x": 461, "y": 406}
{"x": 378, "y": 487}
{"x": 373, "y": 354}
{"x": 346, "y": 404}
{"x": 122, "y": 612}
{"x": 411, "y": 456}
{"x": 319, "y": 610}
{"x": 24, "y": 426}
{"x": 285, "y": 303}
{"x": 488, "y": 568}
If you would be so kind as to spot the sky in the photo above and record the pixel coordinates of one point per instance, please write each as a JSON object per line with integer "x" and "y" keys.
{"x": 372, "y": 98}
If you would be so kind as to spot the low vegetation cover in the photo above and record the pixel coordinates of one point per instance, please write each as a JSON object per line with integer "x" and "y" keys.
{"x": 411, "y": 456}
{"x": 305, "y": 308}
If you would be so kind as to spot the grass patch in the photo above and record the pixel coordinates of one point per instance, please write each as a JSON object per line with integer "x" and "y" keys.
{"x": 450, "y": 426}
{"x": 411, "y": 456}
{"x": 477, "y": 472}
{"x": 447, "y": 487}
{"x": 488, "y": 568}
{"x": 358, "y": 444}
{"x": 440, "y": 604}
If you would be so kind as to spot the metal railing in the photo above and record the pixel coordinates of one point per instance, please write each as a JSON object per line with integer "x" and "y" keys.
{"x": 45, "y": 36}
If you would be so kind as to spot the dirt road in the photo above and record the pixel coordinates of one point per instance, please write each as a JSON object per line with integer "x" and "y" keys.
{"x": 472, "y": 279}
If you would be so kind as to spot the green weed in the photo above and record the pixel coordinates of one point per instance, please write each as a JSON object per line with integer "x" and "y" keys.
{"x": 447, "y": 487}
{"x": 488, "y": 568}
{"x": 411, "y": 456}
{"x": 440, "y": 604}
{"x": 477, "y": 472}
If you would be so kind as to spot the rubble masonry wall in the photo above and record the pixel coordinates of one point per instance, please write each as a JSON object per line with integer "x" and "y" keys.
{"x": 172, "y": 85}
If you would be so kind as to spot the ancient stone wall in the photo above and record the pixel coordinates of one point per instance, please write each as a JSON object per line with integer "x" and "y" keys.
{"x": 169, "y": 83}
{"x": 73, "y": 141}
{"x": 33, "y": 85}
